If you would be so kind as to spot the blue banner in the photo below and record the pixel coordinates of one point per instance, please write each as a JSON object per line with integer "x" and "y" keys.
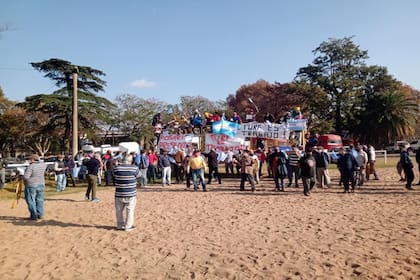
{"x": 225, "y": 127}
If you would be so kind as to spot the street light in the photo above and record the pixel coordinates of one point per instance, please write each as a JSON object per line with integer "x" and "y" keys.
{"x": 252, "y": 102}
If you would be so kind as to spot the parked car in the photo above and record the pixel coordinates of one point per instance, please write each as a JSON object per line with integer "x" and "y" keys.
{"x": 395, "y": 146}
{"x": 415, "y": 145}
{"x": 11, "y": 173}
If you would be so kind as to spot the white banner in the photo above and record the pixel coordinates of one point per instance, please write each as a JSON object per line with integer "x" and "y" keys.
{"x": 223, "y": 142}
{"x": 263, "y": 130}
{"x": 297, "y": 125}
{"x": 168, "y": 141}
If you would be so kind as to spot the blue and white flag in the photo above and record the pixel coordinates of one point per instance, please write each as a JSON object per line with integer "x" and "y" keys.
{"x": 225, "y": 127}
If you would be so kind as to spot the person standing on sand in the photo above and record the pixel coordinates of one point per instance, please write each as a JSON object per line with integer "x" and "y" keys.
{"x": 196, "y": 166}
{"x": 293, "y": 166}
{"x": 322, "y": 160}
{"x": 307, "y": 168}
{"x": 164, "y": 163}
{"x": 125, "y": 179}
{"x": 407, "y": 166}
{"x": 246, "y": 171}
{"x": 213, "y": 163}
{"x": 92, "y": 166}
{"x": 34, "y": 179}
{"x": 370, "y": 168}
{"x": 347, "y": 164}
{"x": 60, "y": 169}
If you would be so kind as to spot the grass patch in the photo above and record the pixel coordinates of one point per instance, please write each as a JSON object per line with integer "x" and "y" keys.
{"x": 9, "y": 190}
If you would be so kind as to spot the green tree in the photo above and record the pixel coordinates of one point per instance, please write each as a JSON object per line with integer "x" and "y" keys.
{"x": 336, "y": 71}
{"x": 58, "y": 105}
{"x": 4, "y": 102}
{"x": 189, "y": 104}
{"x": 135, "y": 117}
{"x": 391, "y": 115}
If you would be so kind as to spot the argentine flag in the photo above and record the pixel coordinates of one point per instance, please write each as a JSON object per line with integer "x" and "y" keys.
{"x": 225, "y": 127}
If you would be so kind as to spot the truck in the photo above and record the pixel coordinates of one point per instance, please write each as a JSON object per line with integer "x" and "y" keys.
{"x": 330, "y": 141}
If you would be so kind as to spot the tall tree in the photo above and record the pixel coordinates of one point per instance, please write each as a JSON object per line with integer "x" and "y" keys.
{"x": 135, "y": 117}
{"x": 4, "y": 102}
{"x": 191, "y": 103}
{"x": 262, "y": 96}
{"x": 391, "y": 115}
{"x": 58, "y": 105}
{"x": 336, "y": 70}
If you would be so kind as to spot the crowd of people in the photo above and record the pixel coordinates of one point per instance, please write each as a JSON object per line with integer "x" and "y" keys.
{"x": 127, "y": 172}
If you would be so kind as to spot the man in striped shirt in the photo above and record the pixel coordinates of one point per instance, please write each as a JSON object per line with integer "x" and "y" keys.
{"x": 34, "y": 187}
{"x": 293, "y": 165}
{"x": 125, "y": 178}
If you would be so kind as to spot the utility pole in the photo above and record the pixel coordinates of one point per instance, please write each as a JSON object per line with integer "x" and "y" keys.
{"x": 75, "y": 114}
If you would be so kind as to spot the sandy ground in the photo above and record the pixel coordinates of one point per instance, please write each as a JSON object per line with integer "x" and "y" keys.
{"x": 222, "y": 234}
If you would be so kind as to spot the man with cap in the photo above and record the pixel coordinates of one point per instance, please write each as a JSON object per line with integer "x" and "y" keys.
{"x": 34, "y": 187}
{"x": 92, "y": 166}
{"x": 164, "y": 163}
{"x": 213, "y": 163}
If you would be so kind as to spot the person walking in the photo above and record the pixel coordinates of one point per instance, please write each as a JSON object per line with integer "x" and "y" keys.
{"x": 407, "y": 166}
{"x": 152, "y": 169}
{"x": 293, "y": 166}
{"x": 279, "y": 165}
{"x": 179, "y": 167}
{"x": 188, "y": 175}
{"x": 246, "y": 171}
{"x": 347, "y": 164}
{"x": 370, "y": 169}
{"x": 307, "y": 167}
{"x": 70, "y": 164}
{"x": 125, "y": 178}
{"x": 261, "y": 158}
{"x": 60, "y": 173}
{"x": 229, "y": 162}
{"x": 213, "y": 163}
{"x": 34, "y": 180}
{"x": 143, "y": 165}
{"x": 92, "y": 165}
{"x": 196, "y": 166}
{"x": 362, "y": 160}
{"x": 109, "y": 170}
{"x": 322, "y": 160}
{"x": 164, "y": 163}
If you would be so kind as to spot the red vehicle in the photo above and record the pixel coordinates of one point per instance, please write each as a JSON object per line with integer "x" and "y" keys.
{"x": 330, "y": 141}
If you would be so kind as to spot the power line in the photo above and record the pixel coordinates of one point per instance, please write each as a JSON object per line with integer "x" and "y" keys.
{"x": 15, "y": 69}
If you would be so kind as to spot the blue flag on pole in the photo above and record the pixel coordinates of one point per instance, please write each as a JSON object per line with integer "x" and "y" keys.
{"x": 225, "y": 127}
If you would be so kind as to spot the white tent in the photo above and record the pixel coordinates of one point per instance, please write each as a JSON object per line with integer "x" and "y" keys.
{"x": 129, "y": 147}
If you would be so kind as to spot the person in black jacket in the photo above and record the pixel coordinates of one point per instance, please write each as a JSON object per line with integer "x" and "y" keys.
{"x": 308, "y": 169}
{"x": 407, "y": 166}
{"x": 165, "y": 164}
{"x": 213, "y": 164}
{"x": 347, "y": 164}
{"x": 279, "y": 165}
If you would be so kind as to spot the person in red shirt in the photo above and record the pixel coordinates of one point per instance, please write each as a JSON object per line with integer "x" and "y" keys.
{"x": 152, "y": 168}
{"x": 261, "y": 158}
